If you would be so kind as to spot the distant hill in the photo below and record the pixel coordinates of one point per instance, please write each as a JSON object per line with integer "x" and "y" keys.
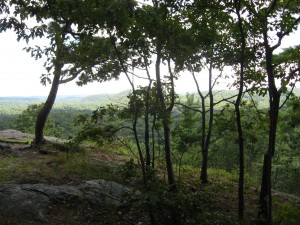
{"x": 68, "y": 98}
{"x": 105, "y": 97}
{"x": 16, "y": 104}
{"x": 36, "y": 99}
{"x": 20, "y": 98}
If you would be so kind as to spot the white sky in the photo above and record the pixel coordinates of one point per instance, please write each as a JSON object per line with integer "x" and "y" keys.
{"x": 20, "y": 74}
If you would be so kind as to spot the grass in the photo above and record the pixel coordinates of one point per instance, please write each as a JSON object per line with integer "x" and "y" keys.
{"x": 55, "y": 169}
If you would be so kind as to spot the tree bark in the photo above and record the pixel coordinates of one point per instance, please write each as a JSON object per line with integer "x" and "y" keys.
{"x": 165, "y": 117}
{"x": 135, "y": 116}
{"x": 241, "y": 203}
{"x": 265, "y": 198}
{"x": 210, "y": 122}
{"x": 146, "y": 121}
{"x": 44, "y": 113}
{"x": 203, "y": 173}
{"x": 205, "y": 137}
{"x": 241, "y": 165}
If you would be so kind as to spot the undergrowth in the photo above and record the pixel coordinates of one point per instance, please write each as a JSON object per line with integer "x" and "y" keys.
{"x": 193, "y": 203}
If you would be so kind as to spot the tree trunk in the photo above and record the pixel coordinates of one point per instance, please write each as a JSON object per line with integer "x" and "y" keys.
{"x": 241, "y": 203}
{"x": 43, "y": 114}
{"x": 165, "y": 117}
{"x": 206, "y": 136}
{"x": 153, "y": 139}
{"x": 147, "y": 129}
{"x": 204, "y": 150}
{"x": 241, "y": 164}
{"x": 139, "y": 149}
{"x": 58, "y": 65}
{"x": 265, "y": 198}
{"x": 203, "y": 173}
{"x": 171, "y": 177}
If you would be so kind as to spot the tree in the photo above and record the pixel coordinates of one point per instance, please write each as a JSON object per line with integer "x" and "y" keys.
{"x": 242, "y": 41}
{"x": 59, "y": 39}
{"x": 209, "y": 29}
{"x": 154, "y": 38}
{"x": 155, "y": 32}
{"x": 271, "y": 21}
{"x": 57, "y": 32}
{"x": 73, "y": 50}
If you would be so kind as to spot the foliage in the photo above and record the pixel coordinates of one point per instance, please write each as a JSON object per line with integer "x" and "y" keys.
{"x": 98, "y": 126}
{"x": 25, "y": 122}
{"x": 286, "y": 214}
{"x": 224, "y": 146}
{"x": 190, "y": 205}
{"x": 186, "y": 134}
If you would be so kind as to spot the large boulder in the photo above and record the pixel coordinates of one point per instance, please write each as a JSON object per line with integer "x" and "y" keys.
{"x": 15, "y": 202}
{"x": 32, "y": 200}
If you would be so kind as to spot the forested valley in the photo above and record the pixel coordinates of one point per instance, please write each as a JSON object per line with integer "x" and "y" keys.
{"x": 213, "y": 156}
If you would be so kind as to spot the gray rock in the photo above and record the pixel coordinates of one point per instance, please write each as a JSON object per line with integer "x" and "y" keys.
{"x": 18, "y": 203}
{"x": 6, "y": 150}
{"x": 15, "y": 134}
{"x": 54, "y": 193}
{"x": 107, "y": 192}
{"x": 32, "y": 200}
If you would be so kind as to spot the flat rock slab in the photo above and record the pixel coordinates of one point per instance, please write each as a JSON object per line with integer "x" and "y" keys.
{"x": 12, "y": 134}
{"x": 31, "y": 201}
{"x": 17, "y": 203}
{"x": 15, "y": 134}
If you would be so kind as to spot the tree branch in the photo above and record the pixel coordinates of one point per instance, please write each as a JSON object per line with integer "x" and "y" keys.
{"x": 188, "y": 107}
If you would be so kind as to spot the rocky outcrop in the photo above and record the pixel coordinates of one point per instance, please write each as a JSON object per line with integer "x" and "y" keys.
{"x": 31, "y": 201}
{"x": 7, "y": 151}
{"x": 15, "y": 202}
{"x": 15, "y": 135}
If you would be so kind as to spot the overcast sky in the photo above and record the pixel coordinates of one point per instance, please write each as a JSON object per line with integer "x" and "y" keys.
{"x": 20, "y": 74}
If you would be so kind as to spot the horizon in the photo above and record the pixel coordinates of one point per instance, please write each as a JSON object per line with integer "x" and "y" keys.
{"x": 296, "y": 89}
{"x": 20, "y": 74}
